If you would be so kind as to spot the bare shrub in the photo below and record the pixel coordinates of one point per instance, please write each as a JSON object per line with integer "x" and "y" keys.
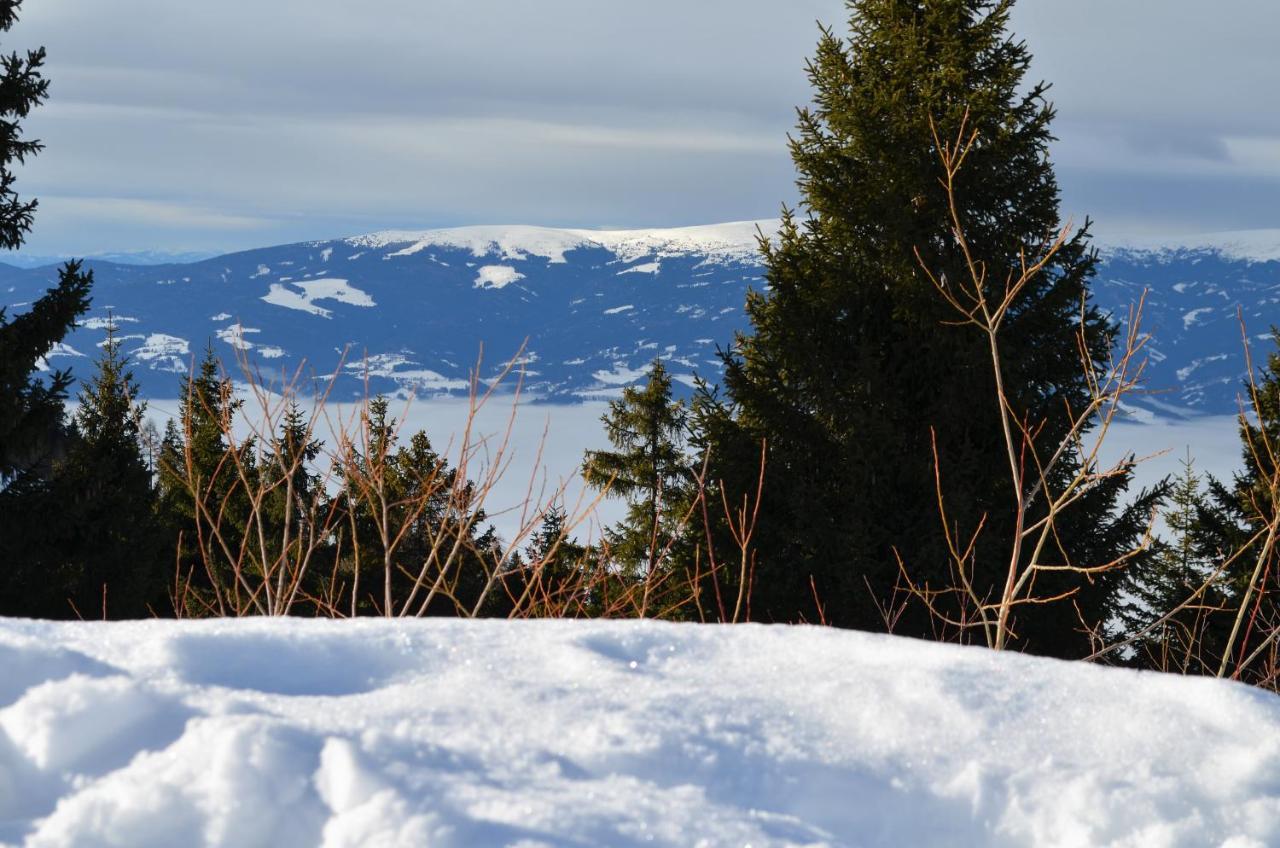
{"x": 1034, "y": 547}
{"x": 313, "y": 510}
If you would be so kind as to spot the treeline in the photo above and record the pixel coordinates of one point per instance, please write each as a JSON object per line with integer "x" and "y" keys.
{"x": 908, "y": 438}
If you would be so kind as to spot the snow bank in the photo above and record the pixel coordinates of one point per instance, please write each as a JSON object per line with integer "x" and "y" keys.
{"x": 301, "y": 733}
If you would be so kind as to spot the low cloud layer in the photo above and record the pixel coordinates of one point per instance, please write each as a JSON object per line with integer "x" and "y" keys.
{"x": 236, "y": 124}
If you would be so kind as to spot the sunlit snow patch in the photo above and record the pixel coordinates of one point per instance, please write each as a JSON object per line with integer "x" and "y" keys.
{"x": 103, "y": 322}
{"x": 324, "y": 288}
{"x": 1192, "y": 318}
{"x": 165, "y": 352}
{"x": 644, "y": 268}
{"x": 411, "y": 380}
{"x": 496, "y": 276}
{"x": 621, "y": 375}
{"x": 235, "y": 336}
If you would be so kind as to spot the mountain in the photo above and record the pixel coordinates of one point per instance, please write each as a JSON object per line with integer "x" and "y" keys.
{"x": 414, "y": 310}
{"x": 23, "y": 259}
{"x": 1204, "y": 296}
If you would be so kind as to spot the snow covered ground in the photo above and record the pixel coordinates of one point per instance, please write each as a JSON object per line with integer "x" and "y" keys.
{"x": 446, "y": 733}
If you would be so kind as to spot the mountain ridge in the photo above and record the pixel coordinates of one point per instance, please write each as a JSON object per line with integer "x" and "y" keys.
{"x": 413, "y": 308}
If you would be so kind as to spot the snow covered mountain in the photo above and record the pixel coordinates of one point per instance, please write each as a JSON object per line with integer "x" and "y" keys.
{"x": 416, "y": 308}
{"x": 1198, "y": 290}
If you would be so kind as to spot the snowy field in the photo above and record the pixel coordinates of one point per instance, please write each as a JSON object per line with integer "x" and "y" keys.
{"x": 446, "y": 733}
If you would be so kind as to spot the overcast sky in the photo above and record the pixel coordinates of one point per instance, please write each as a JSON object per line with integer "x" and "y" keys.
{"x": 199, "y": 126}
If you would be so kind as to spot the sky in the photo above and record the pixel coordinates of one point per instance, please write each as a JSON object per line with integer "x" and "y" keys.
{"x": 177, "y": 126}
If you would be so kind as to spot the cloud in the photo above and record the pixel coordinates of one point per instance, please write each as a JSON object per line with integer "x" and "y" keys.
{"x": 234, "y": 124}
{"x": 151, "y": 213}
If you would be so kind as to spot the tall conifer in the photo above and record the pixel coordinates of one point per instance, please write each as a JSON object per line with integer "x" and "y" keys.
{"x": 850, "y": 365}
{"x": 32, "y": 428}
{"x": 117, "y": 559}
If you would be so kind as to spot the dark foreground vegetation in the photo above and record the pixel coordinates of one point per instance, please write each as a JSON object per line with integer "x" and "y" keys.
{"x": 908, "y": 439}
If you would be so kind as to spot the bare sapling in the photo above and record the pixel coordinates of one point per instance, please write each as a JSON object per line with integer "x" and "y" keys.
{"x": 286, "y": 524}
{"x": 1041, "y": 493}
{"x": 1264, "y": 503}
{"x": 1186, "y": 641}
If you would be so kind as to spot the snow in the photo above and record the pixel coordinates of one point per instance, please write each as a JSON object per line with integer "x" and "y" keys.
{"x": 1186, "y": 372}
{"x": 449, "y": 733}
{"x": 61, "y": 349}
{"x": 105, "y": 322}
{"x": 1191, "y": 318}
{"x": 1235, "y": 246}
{"x": 417, "y": 380}
{"x": 721, "y": 242}
{"x": 643, "y": 268}
{"x": 496, "y": 276}
{"x": 322, "y": 288}
{"x": 619, "y": 309}
{"x": 621, "y": 375}
{"x": 234, "y": 335}
{"x": 164, "y": 348}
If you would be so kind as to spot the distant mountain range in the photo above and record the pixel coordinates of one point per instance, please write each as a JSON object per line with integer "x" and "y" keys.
{"x": 413, "y": 310}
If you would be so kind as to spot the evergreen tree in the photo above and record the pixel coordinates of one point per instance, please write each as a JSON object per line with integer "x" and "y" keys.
{"x": 1191, "y": 640}
{"x": 117, "y": 559}
{"x": 422, "y": 514}
{"x": 1235, "y": 521}
{"x": 202, "y": 500}
{"x": 648, "y": 469}
{"x": 560, "y": 559}
{"x": 288, "y": 471}
{"x": 34, "y": 432}
{"x": 32, "y": 427}
{"x": 106, "y": 554}
{"x": 850, "y": 365}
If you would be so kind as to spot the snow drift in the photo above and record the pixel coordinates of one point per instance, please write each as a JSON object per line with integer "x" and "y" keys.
{"x": 448, "y": 733}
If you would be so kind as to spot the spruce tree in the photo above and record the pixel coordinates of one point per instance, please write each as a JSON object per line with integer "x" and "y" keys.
{"x": 1190, "y": 640}
{"x": 1234, "y": 526}
{"x": 34, "y": 432}
{"x": 558, "y": 586}
{"x": 296, "y": 490}
{"x": 117, "y": 560}
{"x": 648, "y": 468}
{"x": 32, "y": 427}
{"x": 850, "y": 367}
{"x": 202, "y": 501}
{"x": 428, "y": 513}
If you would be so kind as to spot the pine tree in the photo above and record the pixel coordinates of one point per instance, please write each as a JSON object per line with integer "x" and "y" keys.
{"x": 648, "y": 469}
{"x": 850, "y": 366}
